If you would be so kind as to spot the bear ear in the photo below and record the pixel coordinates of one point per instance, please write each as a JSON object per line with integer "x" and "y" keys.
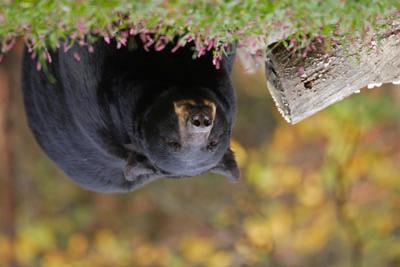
{"x": 228, "y": 167}
{"x": 138, "y": 166}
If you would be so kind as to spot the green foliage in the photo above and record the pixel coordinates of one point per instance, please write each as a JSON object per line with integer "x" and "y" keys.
{"x": 43, "y": 23}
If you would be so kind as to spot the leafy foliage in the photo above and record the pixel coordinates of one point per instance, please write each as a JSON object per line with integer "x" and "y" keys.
{"x": 210, "y": 24}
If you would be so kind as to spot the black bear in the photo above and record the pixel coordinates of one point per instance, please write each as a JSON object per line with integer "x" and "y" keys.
{"x": 117, "y": 119}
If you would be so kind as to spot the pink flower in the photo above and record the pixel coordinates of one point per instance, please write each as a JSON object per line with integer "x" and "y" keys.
{"x": 216, "y": 61}
{"x": 210, "y": 44}
{"x": 8, "y": 44}
{"x": 81, "y": 27}
{"x": 319, "y": 39}
{"x": 66, "y": 47}
{"x": 173, "y": 50}
{"x": 201, "y": 52}
{"x": 125, "y": 34}
{"x": 161, "y": 43}
{"x": 293, "y": 43}
{"x": 74, "y": 35}
{"x": 143, "y": 37}
{"x": 107, "y": 39}
{"x": 47, "y": 56}
{"x": 133, "y": 31}
{"x": 77, "y": 56}
{"x": 148, "y": 43}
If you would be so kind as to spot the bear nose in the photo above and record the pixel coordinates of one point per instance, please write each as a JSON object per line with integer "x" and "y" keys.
{"x": 201, "y": 120}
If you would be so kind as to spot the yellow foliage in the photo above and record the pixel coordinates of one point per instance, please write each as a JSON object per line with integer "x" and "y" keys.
{"x": 41, "y": 235}
{"x": 25, "y": 250}
{"x": 149, "y": 255}
{"x": 286, "y": 208}
{"x": 290, "y": 177}
{"x": 284, "y": 139}
{"x": 197, "y": 249}
{"x": 5, "y": 249}
{"x": 245, "y": 250}
{"x": 311, "y": 194}
{"x": 360, "y": 164}
{"x": 240, "y": 152}
{"x": 219, "y": 259}
{"x": 385, "y": 173}
{"x": 313, "y": 236}
{"x": 77, "y": 245}
{"x": 259, "y": 177}
{"x": 385, "y": 226}
{"x": 258, "y": 232}
{"x": 55, "y": 259}
{"x": 104, "y": 240}
{"x": 110, "y": 248}
{"x": 280, "y": 224}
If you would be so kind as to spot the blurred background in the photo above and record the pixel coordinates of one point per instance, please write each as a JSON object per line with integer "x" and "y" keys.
{"x": 324, "y": 192}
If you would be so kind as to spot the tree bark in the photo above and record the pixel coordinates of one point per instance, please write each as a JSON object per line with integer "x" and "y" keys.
{"x": 7, "y": 174}
{"x": 303, "y": 86}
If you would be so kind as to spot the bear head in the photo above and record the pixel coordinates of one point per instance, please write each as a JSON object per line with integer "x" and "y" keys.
{"x": 185, "y": 132}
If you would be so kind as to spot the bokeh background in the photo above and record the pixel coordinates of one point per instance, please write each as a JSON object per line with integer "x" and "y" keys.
{"x": 324, "y": 192}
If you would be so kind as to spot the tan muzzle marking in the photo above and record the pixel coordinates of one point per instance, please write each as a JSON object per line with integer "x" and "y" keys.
{"x": 182, "y": 112}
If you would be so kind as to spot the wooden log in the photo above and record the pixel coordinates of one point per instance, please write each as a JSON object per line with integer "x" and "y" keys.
{"x": 303, "y": 86}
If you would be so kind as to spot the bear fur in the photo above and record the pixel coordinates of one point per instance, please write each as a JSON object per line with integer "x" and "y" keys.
{"x": 110, "y": 119}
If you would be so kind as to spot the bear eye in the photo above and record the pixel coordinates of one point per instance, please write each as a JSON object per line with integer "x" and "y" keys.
{"x": 174, "y": 145}
{"x": 212, "y": 145}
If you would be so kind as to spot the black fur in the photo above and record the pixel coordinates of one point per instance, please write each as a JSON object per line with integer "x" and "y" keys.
{"x": 103, "y": 118}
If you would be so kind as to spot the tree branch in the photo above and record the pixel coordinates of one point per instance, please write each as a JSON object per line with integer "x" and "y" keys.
{"x": 303, "y": 86}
